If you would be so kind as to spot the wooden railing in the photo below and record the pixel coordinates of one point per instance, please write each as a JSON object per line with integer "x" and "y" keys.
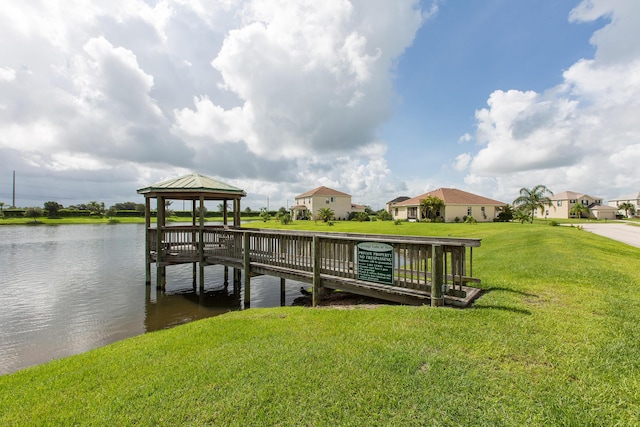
{"x": 420, "y": 265}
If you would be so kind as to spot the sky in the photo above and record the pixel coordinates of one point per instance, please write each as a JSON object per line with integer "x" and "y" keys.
{"x": 374, "y": 98}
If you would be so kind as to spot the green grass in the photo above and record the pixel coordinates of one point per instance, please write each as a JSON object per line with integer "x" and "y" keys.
{"x": 553, "y": 341}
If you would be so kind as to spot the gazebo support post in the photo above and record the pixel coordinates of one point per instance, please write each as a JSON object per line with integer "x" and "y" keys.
{"x": 247, "y": 269}
{"x": 161, "y": 279}
{"x": 147, "y": 243}
{"x": 193, "y": 240}
{"x": 201, "y": 244}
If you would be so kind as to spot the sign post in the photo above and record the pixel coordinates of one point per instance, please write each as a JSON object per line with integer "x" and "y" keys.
{"x": 375, "y": 262}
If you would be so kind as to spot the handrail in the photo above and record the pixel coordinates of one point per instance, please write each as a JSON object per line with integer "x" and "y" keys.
{"x": 414, "y": 264}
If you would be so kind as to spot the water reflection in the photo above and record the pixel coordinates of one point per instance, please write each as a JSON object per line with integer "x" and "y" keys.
{"x": 67, "y": 289}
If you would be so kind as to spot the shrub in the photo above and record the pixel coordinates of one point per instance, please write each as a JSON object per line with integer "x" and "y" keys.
{"x": 397, "y": 222}
{"x": 456, "y": 219}
{"x": 554, "y": 223}
{"x": 470, "y": 220}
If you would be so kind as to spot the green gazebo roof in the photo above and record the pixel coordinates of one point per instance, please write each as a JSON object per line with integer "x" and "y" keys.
{"x": 192, "y": 186}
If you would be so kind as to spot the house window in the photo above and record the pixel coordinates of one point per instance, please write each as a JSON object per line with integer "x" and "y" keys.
{"x": 559, "y": 202}
{"x": 412, "y": 213}
{"x": 469, "y": 211}
{"x": 572, "y": 201}
{"x": 396, "y": 211}
{"x": 585, "y": 202}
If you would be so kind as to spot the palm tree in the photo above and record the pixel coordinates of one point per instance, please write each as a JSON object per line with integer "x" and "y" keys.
{"x": 431, "y": 206}
{"x": 325, "y": 214}
{"x": 533, "y": 199}
{"x": 522, "y": 215}
{"x": 627, "y": 208}
{"x": 578, "y": 210}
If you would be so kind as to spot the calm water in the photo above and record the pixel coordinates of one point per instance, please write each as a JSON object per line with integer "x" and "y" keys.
{"x": 67, "y": 289}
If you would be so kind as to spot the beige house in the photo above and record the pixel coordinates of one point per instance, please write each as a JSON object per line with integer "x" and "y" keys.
{"x": 633, "y": 198}
{"x": 458, "y": 204}
{"x": 563, "y": 202}
{"x": 308, "y": 204}
{"x": 390, "y": 204}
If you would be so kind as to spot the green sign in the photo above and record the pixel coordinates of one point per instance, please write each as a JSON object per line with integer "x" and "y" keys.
{"x": 375, "y": 262}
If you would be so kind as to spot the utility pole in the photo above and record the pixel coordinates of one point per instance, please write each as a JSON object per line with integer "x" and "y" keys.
{"x": 14, "y": 189}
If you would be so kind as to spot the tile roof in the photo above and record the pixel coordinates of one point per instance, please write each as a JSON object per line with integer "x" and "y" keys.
{"x": 452, "y": 196}
{"x": 398, "y": 199}
{"x": 571, "y": 195}
{"x": 632, "y": 196}
{"x": 322, "y": 191}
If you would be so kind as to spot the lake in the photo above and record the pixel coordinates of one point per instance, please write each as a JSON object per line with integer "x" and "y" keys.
{"x": 68, "y": 289}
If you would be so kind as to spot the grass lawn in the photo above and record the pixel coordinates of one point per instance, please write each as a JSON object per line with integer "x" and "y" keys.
{"x": 553, "y": 341}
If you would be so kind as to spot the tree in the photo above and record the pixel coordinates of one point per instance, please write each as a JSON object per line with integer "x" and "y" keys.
{"x": 578, "y": 210}
{"x": 1, "y": 206}
{"x": 126, "y": 206}
{"x": 140, "y": 208}
{"x": 167, "y": 211}
{"x": 111, "y": 212}
{"x": 34, "y": 213}
{"x": 431, "y": 206}
{"x": 505, "y": 213}
{"x": 533, "y": 199}
{"x": 52, "y": 209}
{"x": 96, "y": 208}
{"x": 326, "y": 214}
{"x": 204, "y": 211}
{"x": 628, "y": 208}
{"x": 383, "y": 215}
{"x": 264, "y": 215}
{"x": 522, "y": 215}
{"x": 247, "y": 209}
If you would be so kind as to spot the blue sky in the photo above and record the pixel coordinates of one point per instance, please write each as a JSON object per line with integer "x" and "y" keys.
{"x": 463, "y": 54}
{"x": 374, "y": 98}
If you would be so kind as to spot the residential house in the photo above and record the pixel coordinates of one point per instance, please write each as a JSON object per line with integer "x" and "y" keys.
{"x": 633, "y": 199}
{"x": 308, "y": 204}
{"x": 458, "y": 204}
{"x": 563, "y": 202}
{"x": 392, "y": 203}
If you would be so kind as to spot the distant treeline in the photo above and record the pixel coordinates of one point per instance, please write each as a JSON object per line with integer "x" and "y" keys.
{"x": 66, "y": 213}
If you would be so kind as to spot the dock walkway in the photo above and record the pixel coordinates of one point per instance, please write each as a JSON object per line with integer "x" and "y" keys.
{"x": 406, "y": 269}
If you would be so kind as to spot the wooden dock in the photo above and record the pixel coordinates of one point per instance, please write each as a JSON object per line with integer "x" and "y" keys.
{"x": 405, "y": 269}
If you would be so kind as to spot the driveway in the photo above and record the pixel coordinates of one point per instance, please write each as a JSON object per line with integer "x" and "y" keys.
{"x": 619, "y": 231}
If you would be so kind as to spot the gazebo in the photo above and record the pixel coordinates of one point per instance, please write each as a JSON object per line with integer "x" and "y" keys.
{"x": 194, "y": 187}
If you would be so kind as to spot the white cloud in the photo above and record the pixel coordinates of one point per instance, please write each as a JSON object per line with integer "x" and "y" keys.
{"x": 465, "y": 138}
{"x": 7, "y": 74}
{"x": 258, "y": 92}
{"x": 573, "y": 136}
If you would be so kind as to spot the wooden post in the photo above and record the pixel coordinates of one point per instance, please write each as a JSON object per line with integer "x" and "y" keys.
{"x": 316, "y": 270}
{"x": 283, "y": 296}
{"x": 160, "y": 271}
{"x": 147, "y": 244}
{"x": 201, "y": 244}
{"x": 236, "y": 213}
{"x": 247, "y": 269}
{"x": 437, "y": 299}
{"x": 224, "y": 212}
{"x": 193, "y": 241}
